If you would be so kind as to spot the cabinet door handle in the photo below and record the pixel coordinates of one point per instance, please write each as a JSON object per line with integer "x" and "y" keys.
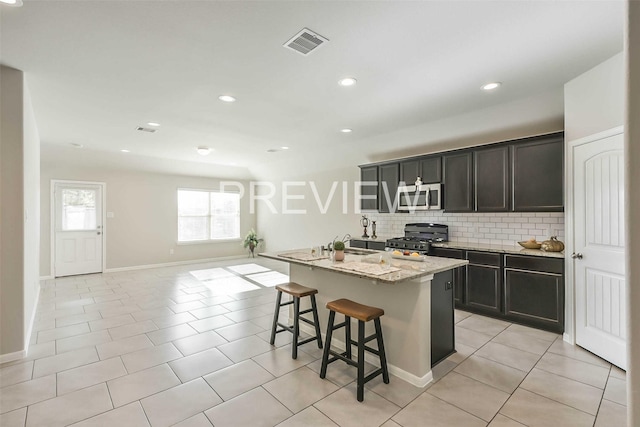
{"x": 576, "y": 255}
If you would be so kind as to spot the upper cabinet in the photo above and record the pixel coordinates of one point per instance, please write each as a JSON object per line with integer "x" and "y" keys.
{"x": 491, "y": 179}
{"x": 525, "y": 175}
{"x": 458, "y": 182}
{"x": 428, "y": 168}
{"x": 517, "y": 176}
{"x": 369, "y": 188}
{"x": 538, "y": 175}
{"x": 389, "y": 175}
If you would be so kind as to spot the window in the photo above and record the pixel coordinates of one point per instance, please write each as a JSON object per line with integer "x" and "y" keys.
{"x": 208, "y": 215}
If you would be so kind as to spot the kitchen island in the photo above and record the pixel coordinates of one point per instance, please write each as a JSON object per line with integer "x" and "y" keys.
{"x": 404, "y": 291}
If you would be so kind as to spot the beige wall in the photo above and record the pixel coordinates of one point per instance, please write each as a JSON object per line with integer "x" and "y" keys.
{"x": 144, "y": 227}
{"x": 594, "y": 101}
{"x": 291, "y": 230}
{"x": 632, "y": 179}
{"x": 19, "y": 215}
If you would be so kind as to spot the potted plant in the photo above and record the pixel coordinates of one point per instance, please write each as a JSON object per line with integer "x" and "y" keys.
{"x": 252, "y": 241}
{"x": 338, "y": 248}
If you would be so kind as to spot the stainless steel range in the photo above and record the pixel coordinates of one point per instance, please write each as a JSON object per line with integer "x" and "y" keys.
{"x": 418, "y": 237}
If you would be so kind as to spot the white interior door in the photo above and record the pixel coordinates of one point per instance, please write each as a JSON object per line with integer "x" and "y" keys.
{"x": 598, "y": 177}
{"x": 78, "y": 228}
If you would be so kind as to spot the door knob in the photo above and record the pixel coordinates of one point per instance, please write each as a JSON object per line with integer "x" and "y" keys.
{"x": 99, "y": 233}
{"x": 576, "y": 255}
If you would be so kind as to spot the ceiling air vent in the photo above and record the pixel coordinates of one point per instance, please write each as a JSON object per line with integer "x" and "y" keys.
{"x": 143, "y": 129}
{"x": 305, "y": 42}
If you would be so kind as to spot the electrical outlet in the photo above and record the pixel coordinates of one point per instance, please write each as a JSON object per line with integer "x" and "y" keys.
{"x": 170, "y": 251}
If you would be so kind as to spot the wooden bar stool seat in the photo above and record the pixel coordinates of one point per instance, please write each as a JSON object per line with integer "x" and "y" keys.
{"x": 363, "y": 313}
{"x": 296, "y": 291}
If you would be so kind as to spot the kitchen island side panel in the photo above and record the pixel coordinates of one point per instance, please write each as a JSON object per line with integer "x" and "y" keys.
{"x": 406, "y": 324}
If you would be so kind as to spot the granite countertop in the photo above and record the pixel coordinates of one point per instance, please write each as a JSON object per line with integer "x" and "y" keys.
{"x": 507, "y": 249}
{"x": 400, "y": 270}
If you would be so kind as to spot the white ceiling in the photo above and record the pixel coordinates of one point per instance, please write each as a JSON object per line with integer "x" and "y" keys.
{"x": 98, "y": 69}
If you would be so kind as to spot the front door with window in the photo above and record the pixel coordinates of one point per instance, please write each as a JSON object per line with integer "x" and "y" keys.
{"x": 78, "y": 228}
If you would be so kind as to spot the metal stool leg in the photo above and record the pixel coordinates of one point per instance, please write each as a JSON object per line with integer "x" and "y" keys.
{"x": 327, "y": 344}
{"x": 275, "y": 318}
{"x": 383, "y": 356}
{"x": 296, "y": 327}
{"x": 360, "y": 381}
{"x": 316, "y": 321}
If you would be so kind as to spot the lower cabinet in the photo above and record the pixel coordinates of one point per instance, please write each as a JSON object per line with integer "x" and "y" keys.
{"x": 459, "y": 274}
{"x": 442, "y": 317}
{"x": 535, "y": 291}
{"x": 519, "y": 288}
{"x": 483, "y": 284}
{"x": 377, "y": 245}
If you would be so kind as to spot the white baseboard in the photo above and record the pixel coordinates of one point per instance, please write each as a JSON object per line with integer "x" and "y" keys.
{"x": 172, "y": 264}
{"x": 46, "y": 278}
{"x": 10, "y": 357}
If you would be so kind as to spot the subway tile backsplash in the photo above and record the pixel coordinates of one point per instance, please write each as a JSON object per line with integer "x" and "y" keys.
{"x": 500, "y": 228}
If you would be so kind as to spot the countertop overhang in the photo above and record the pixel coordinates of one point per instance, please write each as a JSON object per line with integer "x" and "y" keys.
{"x": 408, "y": 270}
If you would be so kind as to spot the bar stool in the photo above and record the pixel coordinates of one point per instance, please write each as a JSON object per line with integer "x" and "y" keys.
{"x": 296, "y": 291}
{"x": 364, "y": 314}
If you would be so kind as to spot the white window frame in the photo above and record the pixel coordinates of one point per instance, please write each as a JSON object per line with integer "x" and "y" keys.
{"x": 209, "y": 218}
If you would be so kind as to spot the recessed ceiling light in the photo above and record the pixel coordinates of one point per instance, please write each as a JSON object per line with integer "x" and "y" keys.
{"x": 284, "y": 148}
{"x": 125, "y": 151}
{"x": 76, "y": 145}
{"x": 203, "y": 151}
{"x": 346, "y": 130}
{"x": 491, "y": 86}
{"x": 347, "y": 81}
{"x": 154, "y": 124}
{"x": 226, "y": 98}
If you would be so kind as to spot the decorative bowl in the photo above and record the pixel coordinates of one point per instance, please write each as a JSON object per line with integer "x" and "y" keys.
{"x": 530, "y": 244}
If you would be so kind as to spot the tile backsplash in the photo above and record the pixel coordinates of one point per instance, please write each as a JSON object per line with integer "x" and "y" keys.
{"x": 500, "y": 228}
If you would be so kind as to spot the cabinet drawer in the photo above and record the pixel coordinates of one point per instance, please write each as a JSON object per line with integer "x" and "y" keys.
{"x": 483, "y": 258}
{"x": 446, "y": 253}
{"x": 358, "y": 243}
{"x": 378, "y": 246}
{"x": 548, "y": 265}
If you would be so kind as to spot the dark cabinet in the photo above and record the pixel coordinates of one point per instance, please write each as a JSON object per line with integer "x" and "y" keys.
{"x": 389, "y": 176}
{"x": 538, "y": 175}
{"x": 429, "y": 169}
{"x": 369, "y": 188}
{"x": 442, "y": 317}
{"x": 524, "y": 175}
{"x": 483, "y": 282}
{"x": 458, "y": 182}
{"x": 491, "y": 179}
{"x": 409, "y": 171}
{"x": 534, "y": 290}
{"x": 377, "y": 245}
{"x": 518, "y": 288}
{"x": 459, "y": 274}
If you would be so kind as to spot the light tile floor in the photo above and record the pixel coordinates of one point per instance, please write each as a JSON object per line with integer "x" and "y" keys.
{"x": 188, "y": 346}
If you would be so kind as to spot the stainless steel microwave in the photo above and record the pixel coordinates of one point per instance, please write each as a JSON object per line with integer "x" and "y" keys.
{"x": 419, "y": 197}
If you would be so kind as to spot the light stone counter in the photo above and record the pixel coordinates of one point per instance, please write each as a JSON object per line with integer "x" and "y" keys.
{"x": 408, "y": 270}
{"x": 507, "y": 249}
